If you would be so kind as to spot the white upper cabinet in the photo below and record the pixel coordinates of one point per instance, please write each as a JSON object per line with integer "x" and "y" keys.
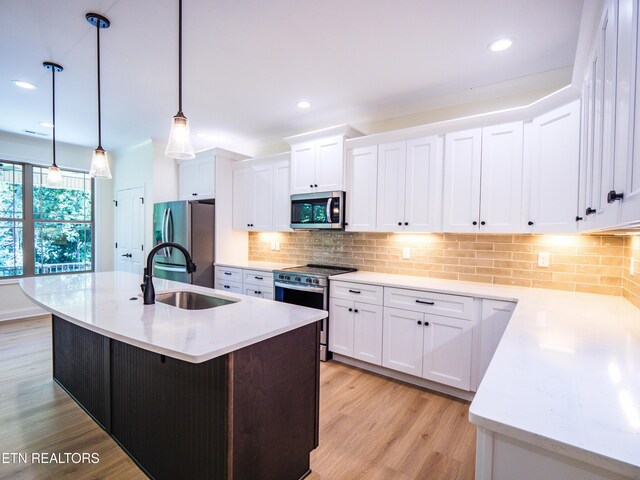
{"x": 409, "y": 186}
{"x": 462, "y": 163}
{"x": 627, "y": 165}
{"x": 281, "y": 196}
{"x": 362, "y": 183}
{"x": 196, "y": 179}
{"x": 261, "y": 199}
{"x": 303, "y": 167}
{"x": 318, "y": 165}
{"x": 552, "y": 146}
{"x": 501, "y": 184}
{"x": 391, "y": 186}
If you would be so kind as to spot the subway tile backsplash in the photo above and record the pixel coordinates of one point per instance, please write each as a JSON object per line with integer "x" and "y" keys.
{"x": 581, "y": 263}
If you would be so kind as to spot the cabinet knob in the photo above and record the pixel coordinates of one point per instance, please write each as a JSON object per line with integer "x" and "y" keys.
{"x": 406, "y": 223}
{"x": 310, "y": 185}
{"x": 426, "y": 324}
{"x": 590, "y": 211}
{"x": 400, "y": 223}
{"x": 356, "y": 310}
{"x": 529, "y": 223}
{"x": 419, "y": 322}
{"x": 315, "y": 185}
{"x": 194, "y": 194}
{"x": 346, "y": 224}
{"x": 578, "y": 218}
{"x": 474, "y": 223}
{"x": 351, "y": 309}
{"x": 483, "y": 223}
{"x": 612, "y": 196}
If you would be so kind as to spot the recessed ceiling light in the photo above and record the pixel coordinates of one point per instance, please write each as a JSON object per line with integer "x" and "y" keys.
{"x": 500, "y": 45}
{"x": 25, "y": 85}
{"x": 303, "y": 104}
{"x": 47, "y": 124}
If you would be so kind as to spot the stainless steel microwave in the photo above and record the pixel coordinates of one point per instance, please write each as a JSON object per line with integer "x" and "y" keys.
{"x": 322, "y": 210}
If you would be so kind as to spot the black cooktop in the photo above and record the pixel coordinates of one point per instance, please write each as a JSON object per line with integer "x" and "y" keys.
{"x": 320, "y": 270}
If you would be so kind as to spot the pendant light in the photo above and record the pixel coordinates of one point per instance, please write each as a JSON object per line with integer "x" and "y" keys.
{"x": 100, "y": 161}
{"x": 54, "y": 175}
{"x": 179, "y": 146}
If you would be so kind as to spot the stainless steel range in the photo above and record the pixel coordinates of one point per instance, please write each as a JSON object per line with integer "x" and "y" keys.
{"x": 308, "y": 286}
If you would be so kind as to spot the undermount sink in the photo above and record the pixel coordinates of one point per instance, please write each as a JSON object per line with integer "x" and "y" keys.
{"x": 192, "y": 300}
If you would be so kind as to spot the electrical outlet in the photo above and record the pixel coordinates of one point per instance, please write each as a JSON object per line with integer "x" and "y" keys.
{"x": 632, "y": 267}
{"x": 406, "y": 253}
{"x": 543, "y": 259}
{"x": 275, "y": 245}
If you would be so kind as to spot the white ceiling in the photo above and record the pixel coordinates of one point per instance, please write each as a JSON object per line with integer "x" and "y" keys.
{"x": 247, "y": 62}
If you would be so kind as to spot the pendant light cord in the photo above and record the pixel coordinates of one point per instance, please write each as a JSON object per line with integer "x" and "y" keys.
{"x": 99, "y": 107}
{"x": 53, "y": 109}
{"x": 180, "y": 57}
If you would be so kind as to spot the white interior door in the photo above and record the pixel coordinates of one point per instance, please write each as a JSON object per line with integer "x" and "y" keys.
{"x": 130, "y": 230}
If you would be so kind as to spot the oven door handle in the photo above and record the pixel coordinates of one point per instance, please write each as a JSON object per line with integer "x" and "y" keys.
{"x": 299, "y": 287}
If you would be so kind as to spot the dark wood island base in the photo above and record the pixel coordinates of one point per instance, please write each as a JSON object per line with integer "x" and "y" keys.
{"x": 252, "y": 413}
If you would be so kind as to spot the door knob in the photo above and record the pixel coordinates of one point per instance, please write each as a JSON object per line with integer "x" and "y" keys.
{"x": 612, "y": 196}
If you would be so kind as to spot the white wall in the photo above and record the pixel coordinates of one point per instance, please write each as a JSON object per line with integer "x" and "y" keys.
{"x": 36, "y": 151}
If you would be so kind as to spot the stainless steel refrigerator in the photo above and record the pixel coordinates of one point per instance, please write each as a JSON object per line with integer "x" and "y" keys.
{"x": 191, "y": 224}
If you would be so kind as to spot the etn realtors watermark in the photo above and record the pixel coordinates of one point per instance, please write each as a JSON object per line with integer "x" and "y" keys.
{"x": 49, "y": 457}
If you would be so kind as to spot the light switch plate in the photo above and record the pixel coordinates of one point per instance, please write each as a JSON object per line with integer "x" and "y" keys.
{"x": 543, "y": 259}
{"x": 406, "y": 253}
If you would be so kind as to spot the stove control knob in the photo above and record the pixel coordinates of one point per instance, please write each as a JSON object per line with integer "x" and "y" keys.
{"x": 297, "y": 279}
{"x": 308, "y": 280}
{"x": 280, "y": 276}
{"x": 287, "y": 277}
{"x": 315, "y": 280}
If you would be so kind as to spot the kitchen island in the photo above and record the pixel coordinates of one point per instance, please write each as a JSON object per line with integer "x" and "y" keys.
{"x": 220, "y": 393}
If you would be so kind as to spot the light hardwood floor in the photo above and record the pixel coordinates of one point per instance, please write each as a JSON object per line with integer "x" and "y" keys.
{"x": 370, "y": 427}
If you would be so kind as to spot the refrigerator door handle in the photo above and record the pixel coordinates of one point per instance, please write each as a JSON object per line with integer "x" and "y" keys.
{"x": 168, "y": 231}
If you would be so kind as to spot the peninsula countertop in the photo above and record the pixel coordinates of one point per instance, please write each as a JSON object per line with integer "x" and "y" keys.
{"x": 109, "y": 303}
{"x": 566, "y": 374}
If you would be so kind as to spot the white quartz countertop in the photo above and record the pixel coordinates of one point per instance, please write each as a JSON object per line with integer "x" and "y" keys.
{"x": 101, "y": 302}
{"x": 255, "y": 265}
{"x": 566, "y": 374}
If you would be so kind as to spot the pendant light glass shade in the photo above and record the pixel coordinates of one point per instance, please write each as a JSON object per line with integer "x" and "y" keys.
{"x": 54, "y": 177}
{"x": 179, "y": 146}
{"x": 100, "y": 164}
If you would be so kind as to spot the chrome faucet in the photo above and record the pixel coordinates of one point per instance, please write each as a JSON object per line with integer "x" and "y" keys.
{"x": 148, "y": 292}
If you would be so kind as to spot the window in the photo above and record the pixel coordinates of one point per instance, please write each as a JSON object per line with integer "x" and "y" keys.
{"x": 44, "y": 229}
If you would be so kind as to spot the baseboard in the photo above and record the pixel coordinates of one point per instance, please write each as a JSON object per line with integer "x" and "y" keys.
{"x": 19, "y": 313}
{"x": 403, "y": 377}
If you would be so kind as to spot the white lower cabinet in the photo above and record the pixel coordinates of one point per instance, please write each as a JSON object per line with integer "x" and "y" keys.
{"x": 447, "y": 351}
{"x": 403, "y": 342}
{"x": 355, "y": 330}
{"x": 254, "y": 283}
{"x": 495, "y": 317}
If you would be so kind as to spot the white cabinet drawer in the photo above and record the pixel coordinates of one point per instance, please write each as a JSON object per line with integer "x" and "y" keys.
{"x": 261, "y": 292}
{"x": 358, "y": 292}
{"x": 258, "y": 278}
{"x": 229, "y": 274}
{"x": 428, "y": 302}
{"x": 228, "y": 286}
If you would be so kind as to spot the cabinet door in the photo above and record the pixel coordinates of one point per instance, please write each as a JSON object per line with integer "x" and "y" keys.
{"x": 262, "y": 198}
{"x": 362, "y": 183}
{"x": 447, "y": 351}
{"x": 341, "y": 327}
{"x": 495, "y": 317}
{"x": 281, "y": 196}
{"x": 553, "y": 169}
{"x": 461, "y": 203}
{"x": 423, "y": 180}
{"x": 583, "y": 221}
{"x": 188, "y": 181}
{"x": 402, "y": 341}
{"x": 242, "y": 198}
{"x": 630, "y": 208}
{"x": 367, "y": 337}
{"x": 205, "y": 180}
{"x": 501, "y": 185}
{"x": 391, "y": 187}
{"x": 329, "y": 173}
{"x": 303, "y": 167}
